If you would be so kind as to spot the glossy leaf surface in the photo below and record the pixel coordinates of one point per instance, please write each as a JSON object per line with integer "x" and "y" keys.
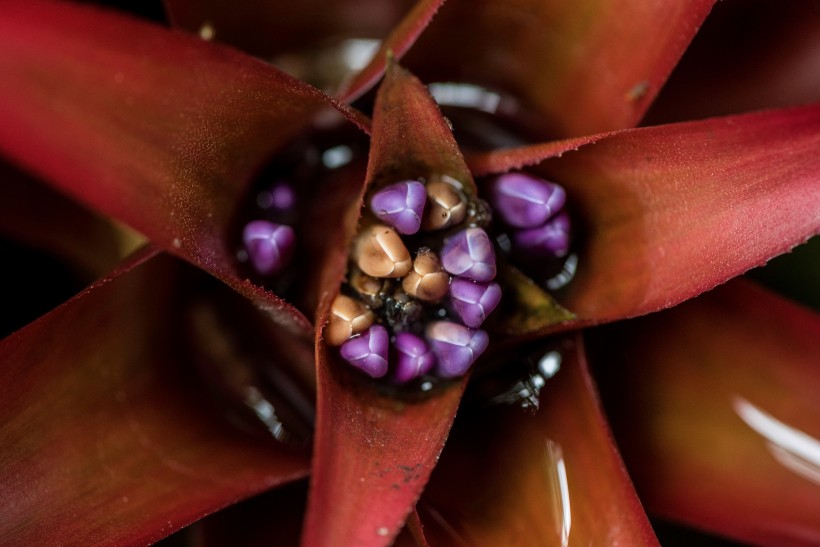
{"x": 717, "y": 412}
{"x": 511, "y": 476}
{"x": 107, "y": 436}
{"x": 584, "y": 67}
{"x": 666, "y": 213}
{"x": 374, "y": 450}
{"x": 159, "y": 130}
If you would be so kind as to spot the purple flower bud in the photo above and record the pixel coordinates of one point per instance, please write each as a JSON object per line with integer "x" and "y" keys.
{"x": 524, "y": 201}
{"x": 469, "y": 254}
{"x": 269, "y": 245}
{"x": 547, "y": 241}
{"x": 415, "y": 358}
{"x": 456, "y": 347}
{"x": 400, "y": 205}
{"x": 368, "y": 351}
{"x": 473, "y": 302}
{"x": 281, "y": 197}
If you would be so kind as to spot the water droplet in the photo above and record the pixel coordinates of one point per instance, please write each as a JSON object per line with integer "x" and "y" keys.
{"x": 207, "y": 31}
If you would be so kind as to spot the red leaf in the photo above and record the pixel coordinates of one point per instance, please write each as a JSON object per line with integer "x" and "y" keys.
{"x": 672, "y": 211}
{"x": 267, "y": 28}
{"x": 157, "y": 129}
{"x": 106, "y": 437}
{"x": 40, "y": 218}
{"x": 374, "y": 450}
{"x": 410, "y": 136}
{"x": 402, "y": 38}
{"x": 509, "y": 475}
{"x": 373, "y": 455}
{"x": 415, "y": 531}
{"x": 585, "y": 67}
{"x": 748, "y": 55}
{"x": 507, "y": 159}
{"x": 717, "y": 403}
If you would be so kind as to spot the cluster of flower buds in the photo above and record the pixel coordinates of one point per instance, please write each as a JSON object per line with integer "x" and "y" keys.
{"x": 532, "y": 209}
{"x": 268, "y": 244}
{"x": 420, "y": 284}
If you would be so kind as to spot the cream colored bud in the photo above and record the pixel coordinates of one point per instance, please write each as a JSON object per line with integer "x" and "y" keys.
{"x": 364, "y": 284}
{"x": 427, "y": 280}
{"x": 380, "y": 252}
{"x": 347, "y": 317}
{"x": 445, "y": 206}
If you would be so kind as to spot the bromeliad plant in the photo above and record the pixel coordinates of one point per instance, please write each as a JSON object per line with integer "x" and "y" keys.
{"x": 364, "y": 254}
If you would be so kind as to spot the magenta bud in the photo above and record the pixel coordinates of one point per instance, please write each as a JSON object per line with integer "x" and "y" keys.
{"x": 414, "y": 357}
{"x": 470, "y": 254}
{"x": 473, "y": 302}
{"x": 525, "y": 201}
{"x": 547, "y": 241}
{"x": 269, "y": 245}
{"x": 456, "y": 347}
{"x": 280, "y": 197}
{"x": 400, "y": 205}
{"x": 368, "y": 351}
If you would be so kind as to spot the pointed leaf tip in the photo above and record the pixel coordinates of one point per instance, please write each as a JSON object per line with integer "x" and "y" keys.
{"x": 411, "y": 138}
{"x": 510, "y": 474}
{"x": 392, "y": 48}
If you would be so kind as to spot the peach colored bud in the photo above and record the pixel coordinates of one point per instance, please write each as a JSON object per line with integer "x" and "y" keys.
{"x": 347, "y": 317}
{"x": 445, "y": 206}
{"x": 364, "y": 284}
{"x": 427, "y": 280}
{"x": 380, "y": 252}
